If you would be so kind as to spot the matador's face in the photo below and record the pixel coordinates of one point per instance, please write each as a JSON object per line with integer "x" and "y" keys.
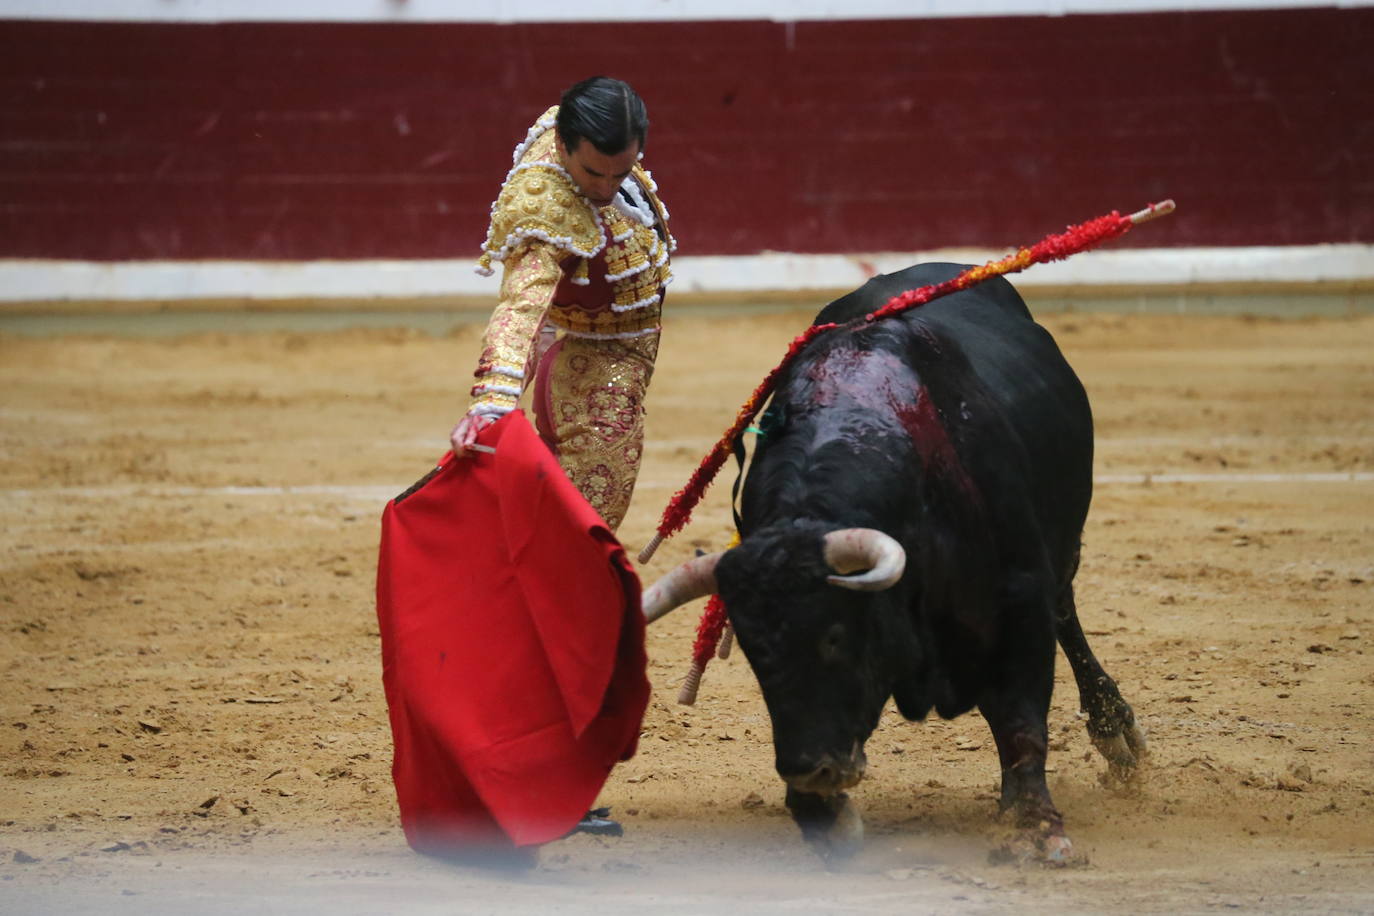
{"x": 597, "y": 174}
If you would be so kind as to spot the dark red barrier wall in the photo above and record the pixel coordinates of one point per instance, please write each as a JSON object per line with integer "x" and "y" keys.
{"x": 290, "y": 141}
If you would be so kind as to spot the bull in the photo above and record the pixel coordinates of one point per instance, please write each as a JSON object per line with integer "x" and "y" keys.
{"x": 910, "y": 528}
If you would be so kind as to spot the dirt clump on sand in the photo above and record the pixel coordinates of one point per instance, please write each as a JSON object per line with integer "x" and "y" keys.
{"x": 190, "y": 676}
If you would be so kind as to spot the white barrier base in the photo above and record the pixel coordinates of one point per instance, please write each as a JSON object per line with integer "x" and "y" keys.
{"x": 24, "y": 280}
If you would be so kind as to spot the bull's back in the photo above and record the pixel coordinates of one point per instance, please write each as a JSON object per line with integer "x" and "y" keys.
{"x": 1014, "y": 358}
{"x": 995, "y": 294}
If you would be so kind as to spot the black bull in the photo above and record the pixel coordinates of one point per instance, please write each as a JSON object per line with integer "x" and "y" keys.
{"x": 958, "y": 438}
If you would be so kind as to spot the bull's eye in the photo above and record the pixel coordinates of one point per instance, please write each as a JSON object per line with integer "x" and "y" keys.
{"x": 832, "y": 643}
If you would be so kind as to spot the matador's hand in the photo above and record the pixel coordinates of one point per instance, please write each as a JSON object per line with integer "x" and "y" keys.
{"x": 464, "y": 435}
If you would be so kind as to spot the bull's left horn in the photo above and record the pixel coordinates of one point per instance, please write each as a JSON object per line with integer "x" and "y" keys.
{"x": 693, "y": 579}
{"x": 852, "y": 549}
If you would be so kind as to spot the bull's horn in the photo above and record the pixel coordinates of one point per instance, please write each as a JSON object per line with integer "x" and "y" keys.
{"x": 852, "y": 549}
{"x": 693, "y": 579}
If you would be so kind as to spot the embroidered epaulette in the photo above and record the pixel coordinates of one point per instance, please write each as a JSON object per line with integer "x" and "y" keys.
{"x": 539, "y": 201}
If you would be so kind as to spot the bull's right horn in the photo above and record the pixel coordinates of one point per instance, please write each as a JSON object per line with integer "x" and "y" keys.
{"x": 693, "y": 579}
{"x": 852, "y": 549}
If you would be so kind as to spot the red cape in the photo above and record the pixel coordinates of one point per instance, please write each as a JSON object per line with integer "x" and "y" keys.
{"x": 512, "y": 648}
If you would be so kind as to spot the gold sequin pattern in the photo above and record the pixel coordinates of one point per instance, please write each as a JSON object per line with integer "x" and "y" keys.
{"x": 527, "y": 285}
{"x": 605, "y": 322}
{"x": 540, "y": 201}
{"x": 639, "y": 262}
{"x": 595, "y": 405}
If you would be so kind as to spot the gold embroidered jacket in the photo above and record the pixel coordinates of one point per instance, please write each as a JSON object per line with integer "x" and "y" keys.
{"x": 589, "y": 271}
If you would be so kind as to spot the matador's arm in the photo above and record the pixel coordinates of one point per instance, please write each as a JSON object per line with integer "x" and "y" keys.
{"x": 527, "y": 285}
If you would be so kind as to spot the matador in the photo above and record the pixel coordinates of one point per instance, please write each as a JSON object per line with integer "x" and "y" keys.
{"x": 580, "y": 304}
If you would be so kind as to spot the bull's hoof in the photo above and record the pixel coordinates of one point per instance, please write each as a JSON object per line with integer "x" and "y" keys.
{"x": 1056, "y": 850}
{"x": 832, "y": 824}
{"x": 1033, "y": 847}
{"x": 1116, "y": 735}
{"x": 846, "y": 836}
{"x": 1124, "y": 751}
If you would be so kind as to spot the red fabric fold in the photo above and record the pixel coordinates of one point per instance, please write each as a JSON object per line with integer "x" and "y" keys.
{"x": 512, "y": 648}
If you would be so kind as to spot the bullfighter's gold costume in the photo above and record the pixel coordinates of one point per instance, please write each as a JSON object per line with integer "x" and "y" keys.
{"x": 594, "y": 277}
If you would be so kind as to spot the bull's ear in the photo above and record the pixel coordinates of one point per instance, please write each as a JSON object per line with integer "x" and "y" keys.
{"x": 773, "y": 420}
{"x": 852, "y": 549}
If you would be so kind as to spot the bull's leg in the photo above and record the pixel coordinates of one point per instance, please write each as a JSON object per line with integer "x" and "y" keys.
{"x": 1021, "y": 736}
{"x": 1111, "y": 721}
{"x": 1016, "y": 706}
{"x": 830, "y": 823}
{"x": 1019, "y": 729}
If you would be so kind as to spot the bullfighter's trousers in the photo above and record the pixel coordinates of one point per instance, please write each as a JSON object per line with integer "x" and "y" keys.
{"x": 589, "y": 408}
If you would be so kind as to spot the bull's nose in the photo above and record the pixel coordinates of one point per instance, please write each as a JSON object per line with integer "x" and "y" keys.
{"x": 825, "y": 775}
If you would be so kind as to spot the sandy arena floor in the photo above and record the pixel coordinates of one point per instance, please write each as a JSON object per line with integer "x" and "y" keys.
{"x": 191, "y": 713}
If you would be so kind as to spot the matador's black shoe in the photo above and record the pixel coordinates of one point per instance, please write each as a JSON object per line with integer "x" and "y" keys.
{"x": 598, "y": 823}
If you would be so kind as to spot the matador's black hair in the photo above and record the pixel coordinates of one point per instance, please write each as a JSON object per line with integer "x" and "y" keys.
{"x": 605, "y": 111}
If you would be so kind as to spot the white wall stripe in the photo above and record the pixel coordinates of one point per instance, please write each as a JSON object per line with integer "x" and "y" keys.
{"x": 512, "y": 11}
{"x": 38, "y": 280}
